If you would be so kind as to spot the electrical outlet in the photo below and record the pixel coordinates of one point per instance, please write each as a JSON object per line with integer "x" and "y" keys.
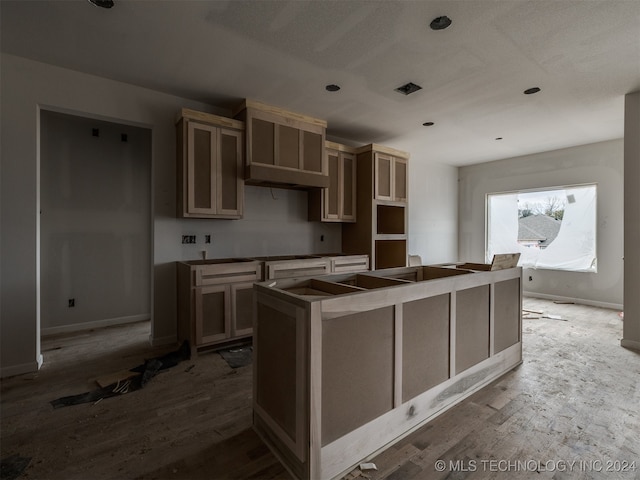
{"x": 72, "y": 302}
{"x": 207, "y": 239}
{"x": 188, "y": 239}
{"x": 530, "y": 278}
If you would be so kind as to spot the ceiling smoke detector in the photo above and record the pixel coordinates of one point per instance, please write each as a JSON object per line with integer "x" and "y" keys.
{"x": 440, "y": 23}
{"x": 408, "y": 88}
{"x": 102, "y": 3}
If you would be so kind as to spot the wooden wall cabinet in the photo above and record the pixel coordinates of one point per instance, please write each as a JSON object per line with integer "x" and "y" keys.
{"x": 210, "y": 161}
{"x": 336, "y": 203}
{"x": 382, "y": 191}
{"x": 283, "y": 148}
{"x": 390, "y": 177}
{"x": 215, "y": 300}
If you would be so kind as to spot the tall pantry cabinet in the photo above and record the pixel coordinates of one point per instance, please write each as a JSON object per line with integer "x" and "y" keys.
{"x": 382, "y": 193}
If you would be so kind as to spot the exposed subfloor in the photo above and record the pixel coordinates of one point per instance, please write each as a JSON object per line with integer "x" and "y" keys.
{"x": 575, "y": 398}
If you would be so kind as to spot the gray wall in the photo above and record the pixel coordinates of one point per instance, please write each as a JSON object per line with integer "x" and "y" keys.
{"x": 95, "y": 222}
{"x": 631, "y": 332}
{"x": 275, "y": 220}
{"x": 600, "y": 163}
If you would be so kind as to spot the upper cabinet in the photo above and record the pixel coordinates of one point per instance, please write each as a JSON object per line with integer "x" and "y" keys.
{"x": 210, "y": 180}
{"x": 283, "y": 148}
{"x": 390, "y": 175}
{"x": 337, "y": 202}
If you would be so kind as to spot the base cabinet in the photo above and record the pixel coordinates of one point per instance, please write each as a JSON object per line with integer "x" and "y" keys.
{"x": 215, "y": 300}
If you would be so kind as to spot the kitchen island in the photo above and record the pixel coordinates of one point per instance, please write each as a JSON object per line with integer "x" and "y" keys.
{"x": 346, "y": 365}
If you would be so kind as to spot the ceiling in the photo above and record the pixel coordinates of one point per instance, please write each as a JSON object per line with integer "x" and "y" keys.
{"x": 583, "y": 54}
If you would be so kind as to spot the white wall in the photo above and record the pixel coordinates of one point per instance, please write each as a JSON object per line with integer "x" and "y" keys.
{"x": 631, "y": 331}
{"x": 600, "y": 163}
{"x": 433, "y": 210}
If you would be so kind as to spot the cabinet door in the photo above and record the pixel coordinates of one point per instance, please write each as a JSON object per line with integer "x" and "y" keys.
{"x": 383, "y": 177}
{"x": 400, "y": 179}
{"x": 212, "y": 314}
{"x": 201, "y": 151}
{"x": 332, "y": 194}
{"x": 348, "y": 185}
{"x": 229, "y": 177}
{"x": 242, "y": 313}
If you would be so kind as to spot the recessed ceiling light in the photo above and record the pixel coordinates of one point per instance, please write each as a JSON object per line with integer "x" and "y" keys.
{"x": 102, "y": 3}
{"x": 498, "y": 138}
{"x": 531, "y": 91}
{"x": 440, "y": 23}
{"x": 428, "y": 124}
{"x": 408, "y": 88}
{"x": 332, "y": 88}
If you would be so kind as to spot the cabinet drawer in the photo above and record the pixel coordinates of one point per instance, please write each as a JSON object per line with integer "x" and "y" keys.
{"x": 296, "y": 268}
{"x": 219, "y": 274}
{"x": 349, "y": 263}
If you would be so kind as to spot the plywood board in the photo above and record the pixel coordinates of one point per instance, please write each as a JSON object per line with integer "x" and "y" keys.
{"x": 472, "y": 327}
{"x": 425, "y": 345}
{"x": 357, "y": 370}
{"x": 506, "y": 314}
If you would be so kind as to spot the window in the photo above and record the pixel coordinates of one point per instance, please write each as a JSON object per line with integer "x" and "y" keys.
{"x": 552, "y": 229}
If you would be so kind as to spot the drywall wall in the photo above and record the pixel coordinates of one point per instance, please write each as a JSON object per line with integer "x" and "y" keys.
{"x": 95, "y": 222}
{"x": 631, "y": 330}
{"x": 433, "y": 210}
{"x": 27, "y": 87}
{"x": 600, "y": 163}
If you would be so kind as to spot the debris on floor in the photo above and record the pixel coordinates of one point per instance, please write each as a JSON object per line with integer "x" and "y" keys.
{"x": 554, "y": 317}
{"x": 123, "y": 382}
{"x": 13, "y": 466}
{"x": 237, "y": 357}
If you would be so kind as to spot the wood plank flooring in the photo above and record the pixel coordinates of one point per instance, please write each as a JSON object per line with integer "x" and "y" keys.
{"x": 575, "y": 398}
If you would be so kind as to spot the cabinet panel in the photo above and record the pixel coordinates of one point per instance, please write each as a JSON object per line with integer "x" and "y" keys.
{"x": 400, "y": 180}
{"x": 348, "y": 187}
{"x": 242, "y": 315}
{"x": 200, "y": 170}
{"x": 332, "y": 194}
{"x": 212, "y": 313}
{"x": 262, "y": 142}
{"x": 383, "y": 180}
{"x": 229, "y": 173}
{"x": 288, "y": 147}
{"x": 312, "y": 149}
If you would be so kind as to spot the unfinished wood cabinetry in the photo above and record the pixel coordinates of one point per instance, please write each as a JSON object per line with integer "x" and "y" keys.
{"x": 382, "y": 192}
{"x": 210, "y": 179}
{"x": 215, "y": 300}
{"x": 336, "y": 203}
{"x": 390, "y": 176}
{"x": 283, "y": 148}
{"x": 346, "y": 365}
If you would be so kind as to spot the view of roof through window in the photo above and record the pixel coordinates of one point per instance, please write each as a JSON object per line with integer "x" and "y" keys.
{"x": 551, "y": 229}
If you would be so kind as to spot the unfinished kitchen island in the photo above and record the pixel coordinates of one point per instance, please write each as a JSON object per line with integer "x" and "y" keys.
{"x": 345, "y": 365}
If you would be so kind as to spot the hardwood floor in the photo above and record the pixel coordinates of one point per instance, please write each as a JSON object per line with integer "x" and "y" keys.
{"x": 575, "y": 398}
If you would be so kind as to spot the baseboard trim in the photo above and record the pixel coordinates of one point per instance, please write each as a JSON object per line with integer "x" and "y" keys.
{"x": 632, "y": 344}
{"x": 159, "y": 341}
{"x": 581, "y": 301}
{"x": 109, "y": 322}
{"x": 14, "y": 370}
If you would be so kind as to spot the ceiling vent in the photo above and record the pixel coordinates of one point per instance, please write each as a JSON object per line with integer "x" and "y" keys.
{"x": 408, "y": 88}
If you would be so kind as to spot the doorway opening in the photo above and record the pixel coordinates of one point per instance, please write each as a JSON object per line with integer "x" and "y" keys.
{"x": 95, "y": 223}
